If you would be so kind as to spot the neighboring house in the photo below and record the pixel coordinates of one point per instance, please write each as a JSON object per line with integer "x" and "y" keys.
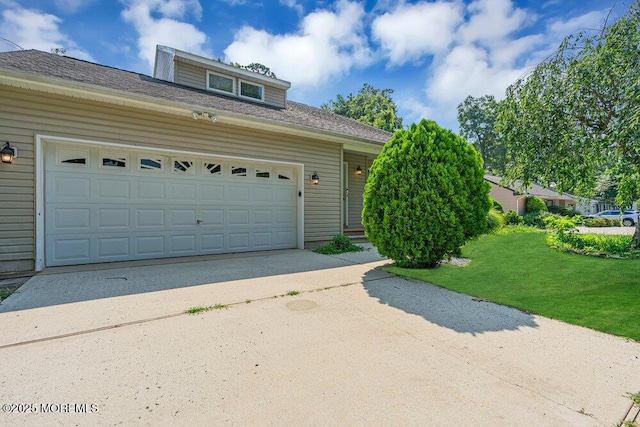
{"x": 512, "y": 198}
{"x": 591, "y": 206}
{"x": 205, "y": 158}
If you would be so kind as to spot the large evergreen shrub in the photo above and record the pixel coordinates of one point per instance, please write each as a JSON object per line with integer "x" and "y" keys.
{"x": 425, "y": 196}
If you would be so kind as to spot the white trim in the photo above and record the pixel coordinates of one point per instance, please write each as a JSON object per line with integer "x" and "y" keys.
{"x": 39, "y": 171}
{"x": 39, "y": 178}
{"x": 345, "y": 192}
{"x": 251, "y": 98}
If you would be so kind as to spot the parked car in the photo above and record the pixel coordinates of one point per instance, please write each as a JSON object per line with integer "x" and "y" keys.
{"x": 629, "y": 218}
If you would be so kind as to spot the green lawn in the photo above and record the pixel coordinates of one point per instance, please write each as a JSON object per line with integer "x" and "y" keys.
{"x": 521, "y": 271}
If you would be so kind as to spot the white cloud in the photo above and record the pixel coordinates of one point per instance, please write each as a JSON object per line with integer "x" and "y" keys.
{"x": 327, "y": 45}
{"x": 166, "y": 30}
{"x": 492, "y": 20}
{"x": 409, "y": 32}
{"x": 32, "y": 29}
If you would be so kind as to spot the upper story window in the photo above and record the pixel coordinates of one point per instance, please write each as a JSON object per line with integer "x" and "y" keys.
{"x": 251, "y": 90}
{"x": 219, "y": 83}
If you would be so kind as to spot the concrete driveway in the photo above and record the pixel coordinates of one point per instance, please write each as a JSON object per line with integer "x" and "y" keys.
{"x": 111, "y": 344}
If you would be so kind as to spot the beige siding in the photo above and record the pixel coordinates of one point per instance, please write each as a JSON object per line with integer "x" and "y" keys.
{"x": 507, "y": 199}
{"x": 24, "y": 115}
{"x": 195, "y": 76}
{"x": 356, "y": 185}
{"x": 190, "y": 75}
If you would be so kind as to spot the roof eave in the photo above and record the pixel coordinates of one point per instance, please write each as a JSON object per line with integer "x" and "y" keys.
{"x": 96, "y": 93}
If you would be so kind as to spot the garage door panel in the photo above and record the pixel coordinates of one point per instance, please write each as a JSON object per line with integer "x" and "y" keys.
{"x": 212, "y": 242}
{"x": 237, "y": 193}
{"x": 130, "y": 209}
{"x": 151, "y": 191}
{"x": 72, "y": 219}
{"x": 212, "y": 217}
{"x": 238, "y": 241}
{"x": 113, "y": 218}
{"x": 72, "y": 250}
{"x": 212, "y": 193}
{"x": 113, "y": 247}
{"x": 238, "y": 217}
{"x": 114, "y": 189}
{"x": 179, "y": 244}
{"x": 72, "y": 187}
{"x": 182, "y": 192}
{"x": 150, "y": 245}
{"x": 150, "y": 218}
{"x": 182, "y": 217}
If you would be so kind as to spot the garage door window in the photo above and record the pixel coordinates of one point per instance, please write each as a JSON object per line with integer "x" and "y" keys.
{"x": 113, "y": 161}
{"x": 262, "y": 173}
{"x": 73, "y": 157}
{"x": 183, "y": 167}
{"x": 213, "y": 168}
{"x": 150, "y": 164}
{"x": 238, "y": 171}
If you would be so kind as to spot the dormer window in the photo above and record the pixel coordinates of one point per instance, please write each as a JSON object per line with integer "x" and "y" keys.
{"x": 251, "y": 90}
{"x": 219, "y": 83}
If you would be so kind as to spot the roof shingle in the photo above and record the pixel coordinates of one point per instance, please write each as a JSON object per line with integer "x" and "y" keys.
{"x": 128, "y": 82}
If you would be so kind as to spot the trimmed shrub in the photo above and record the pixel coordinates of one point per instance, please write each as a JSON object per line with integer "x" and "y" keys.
{"x": 535, "y": 204}
{"x": 512, "y": 218}
{"x": 593, "y": 244}
{"x": 558, "y": 222}
{"x": 495, "y": 220}
{"x": 561, "y": 210}
{"x": 496, "y": 205}
{"x": 534, "y": 219}
{"x": 425, "y": 196}
{"x": 601, "y": 222}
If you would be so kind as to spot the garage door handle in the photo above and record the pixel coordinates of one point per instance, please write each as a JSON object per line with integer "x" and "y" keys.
{"x": 198, "y": 221}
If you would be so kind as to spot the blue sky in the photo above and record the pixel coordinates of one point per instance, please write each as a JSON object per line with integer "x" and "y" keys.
{"x": 433, "y": 54}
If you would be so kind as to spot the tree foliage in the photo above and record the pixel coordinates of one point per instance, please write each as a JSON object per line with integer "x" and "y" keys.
{"x": 256, "y": 67}
{"x": 372, "y": 106}
{"x": 425, "y": 196}
{"x": 576, "y": 116}
{"x": 477, "y": 117}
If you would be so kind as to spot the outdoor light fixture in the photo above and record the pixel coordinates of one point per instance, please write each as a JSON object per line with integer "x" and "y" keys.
{"x": 203, "y": 115}
{"x": 315, "y": 178}
{"x": 8, "y": 153}
{"x": 358, "y": 170}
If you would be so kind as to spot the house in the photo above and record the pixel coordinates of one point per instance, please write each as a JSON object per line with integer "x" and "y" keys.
{"x": 512, "y": 198}
{"x": 202, "y": 158}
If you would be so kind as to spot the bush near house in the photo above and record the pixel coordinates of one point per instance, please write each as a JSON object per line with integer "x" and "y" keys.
{"x": 338, "y": 245}
{"x": 495, "y": 220}
{"x": 512, "y": 218}
{"x": 496, "y": 205}
{"x": 536, "y": 204}
{"x": 425, "y": 196}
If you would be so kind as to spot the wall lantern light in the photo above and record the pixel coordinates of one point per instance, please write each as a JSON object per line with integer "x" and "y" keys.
{"x": 8, "y": 153}
{"x": 358, "y": 170}
{"x": 315, "y": 178}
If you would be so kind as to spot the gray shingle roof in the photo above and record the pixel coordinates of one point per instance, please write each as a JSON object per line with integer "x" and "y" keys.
{"x": 105, "y": 77}
{"x": 533, "y": 190}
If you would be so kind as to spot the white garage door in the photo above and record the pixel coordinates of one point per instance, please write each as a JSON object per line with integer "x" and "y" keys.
{"x": 107, "y": 204}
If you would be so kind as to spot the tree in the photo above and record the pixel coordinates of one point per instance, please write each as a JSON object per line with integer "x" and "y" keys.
{"x": 576, "y": 116}
{"x": 256, "y": 67}
{"x": 372, "y": 106}
{"x": 477, "y": 118}
{"x": 425, "y": 196}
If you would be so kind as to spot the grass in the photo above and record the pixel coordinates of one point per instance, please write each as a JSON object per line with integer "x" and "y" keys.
{"x": 340, "y": 244}
{"x": 520, "y": 270}
{"x": 5, "y": 293}
{"x": 201, "y": 309}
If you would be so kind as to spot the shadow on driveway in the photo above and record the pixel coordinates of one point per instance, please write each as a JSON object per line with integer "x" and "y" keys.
{"x": 452, "y": 310}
